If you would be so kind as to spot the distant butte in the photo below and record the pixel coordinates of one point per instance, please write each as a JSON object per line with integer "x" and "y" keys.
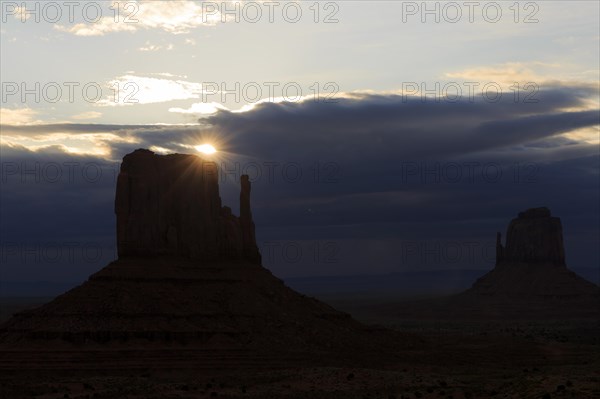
{"x": 532, "y": 263}
{"x": 533, "y": 237}
{"x": 530, "y": 280}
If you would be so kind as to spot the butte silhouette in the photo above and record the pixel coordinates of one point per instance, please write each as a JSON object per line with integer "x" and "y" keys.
{"x": 530, "y": 280}
{"x": 188, "y": 288}
{"x": 531, "y": 266}
{"x": 531, "y": 276}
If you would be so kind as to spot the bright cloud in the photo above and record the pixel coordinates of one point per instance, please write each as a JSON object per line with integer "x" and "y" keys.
{"x": 22, "y": 116}
{"x": 99, "y": 144}
{"x": 87, "y": 115}
{"x": 20, "y": 12}
{"x": 132, "y": 89}
{"x": 210, "y": 108}
{"x": 200, "y": 108}
{"x": 171, "y": 16}
{"x": 587, "y": 135}
{"x": 154, "y": 47}
{"x": 504, "y": 74}
{"x": 522, "y": 72}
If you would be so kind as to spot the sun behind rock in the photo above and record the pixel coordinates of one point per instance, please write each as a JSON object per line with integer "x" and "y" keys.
{"x": 206, "y": 149}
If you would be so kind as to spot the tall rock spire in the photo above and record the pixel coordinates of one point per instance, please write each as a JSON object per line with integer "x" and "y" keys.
{"x": 247, "y": 224}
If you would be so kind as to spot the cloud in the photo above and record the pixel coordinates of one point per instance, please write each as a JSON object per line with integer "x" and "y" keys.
{"x": 513, "y": 76}
{"x": 379, "y": 126}
{"x": 20, "y": 12}
{"x": 506, "y": 74}
{"x": 589, "y": 135}
{"x": 176, "y": 17}
{"x": 20, "y": 116}
{"x": 87, "y": 115}
{"x": 132, "y": 89}
{"x": 200, "y": 109}
{"x": 152, "y": 47}
{"x": 371, "y": 167}
{"x": 104, "y": 140}
{"x": 391, "y": 126}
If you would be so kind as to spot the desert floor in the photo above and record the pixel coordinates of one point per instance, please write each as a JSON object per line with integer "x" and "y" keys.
{"x": 447, "y": 359}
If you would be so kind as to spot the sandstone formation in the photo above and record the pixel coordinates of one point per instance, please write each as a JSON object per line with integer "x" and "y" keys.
{"x": 170, "y": 205}
{"x": 533, "y": 237}
{"x": 188, "y": 284}
{"x": 531, "y": 266}
{"x": 529, "y": 281}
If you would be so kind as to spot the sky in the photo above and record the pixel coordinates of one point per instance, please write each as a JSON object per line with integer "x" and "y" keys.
{"x": 380, "y": 136}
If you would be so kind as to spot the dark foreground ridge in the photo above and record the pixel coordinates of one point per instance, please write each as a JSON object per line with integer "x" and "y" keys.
{"x": 188, "y": 285}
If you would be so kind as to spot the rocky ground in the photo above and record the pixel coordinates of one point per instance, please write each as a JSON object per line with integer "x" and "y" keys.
{"x": 449, "y": 360}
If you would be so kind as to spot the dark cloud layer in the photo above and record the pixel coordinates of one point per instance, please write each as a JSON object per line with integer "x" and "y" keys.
{"x": 368, "y": 174}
